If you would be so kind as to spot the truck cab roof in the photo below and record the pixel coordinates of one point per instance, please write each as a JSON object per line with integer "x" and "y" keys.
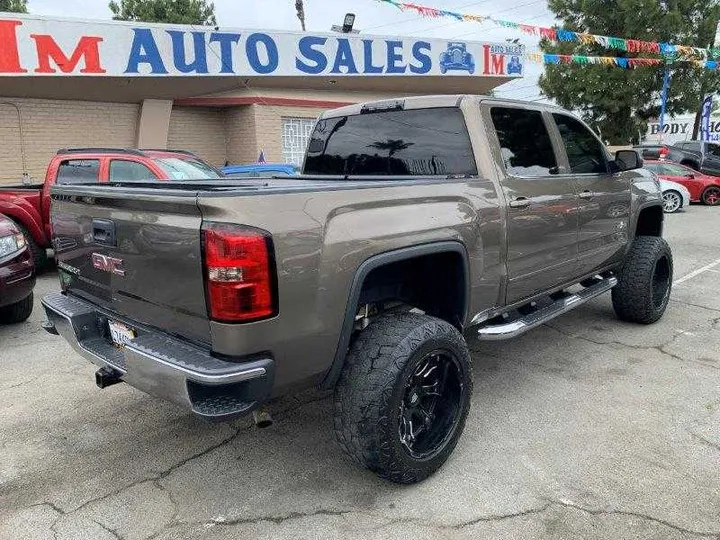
{"x": 427, "y": 102}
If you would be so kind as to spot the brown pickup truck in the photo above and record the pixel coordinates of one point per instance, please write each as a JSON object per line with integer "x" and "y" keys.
{"x": 416, "y": 223}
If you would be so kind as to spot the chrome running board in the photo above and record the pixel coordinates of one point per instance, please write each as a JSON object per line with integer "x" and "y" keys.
{"x": 516, "y": 327}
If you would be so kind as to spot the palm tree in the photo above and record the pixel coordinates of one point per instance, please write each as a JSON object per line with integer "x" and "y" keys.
{"x": 300, "y": 8}
{"x": 392, "y": 146}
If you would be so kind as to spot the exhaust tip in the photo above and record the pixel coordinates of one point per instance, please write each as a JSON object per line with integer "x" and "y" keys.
{"x": 107, "y": 376}
{"x": 262, "y": 418}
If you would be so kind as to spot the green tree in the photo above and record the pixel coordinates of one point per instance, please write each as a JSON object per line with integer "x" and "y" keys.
{"x": 619, "y": 102}
{"x": 14, "y": 6}
{"x": 165, "y": 11}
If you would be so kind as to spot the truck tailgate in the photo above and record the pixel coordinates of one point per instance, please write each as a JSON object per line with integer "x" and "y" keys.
{"x": 134, "y": 252}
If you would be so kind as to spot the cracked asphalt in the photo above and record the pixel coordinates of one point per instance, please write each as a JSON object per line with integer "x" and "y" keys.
{"x": 584, "y": 428}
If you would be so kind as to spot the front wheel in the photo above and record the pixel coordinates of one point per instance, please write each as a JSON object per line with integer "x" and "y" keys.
{"x": 403, "y": 396}
{"x": 672, "y": 201}
{"x": 711, "y": 196}
{"x": 644, "y": 281}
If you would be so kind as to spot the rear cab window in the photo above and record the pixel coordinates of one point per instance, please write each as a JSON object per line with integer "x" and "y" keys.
{"x": 78, "y": 171}
{"x": 413, "y": 142}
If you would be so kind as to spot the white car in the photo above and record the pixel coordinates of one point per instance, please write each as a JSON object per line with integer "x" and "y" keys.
{"x": 675, "y": 196}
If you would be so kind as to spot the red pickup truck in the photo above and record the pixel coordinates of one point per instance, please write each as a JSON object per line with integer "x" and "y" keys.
{"x": 29, "y": 206}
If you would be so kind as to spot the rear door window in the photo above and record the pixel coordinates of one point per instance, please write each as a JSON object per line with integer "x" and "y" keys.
{"x": 525, "y": 143}
{"x": 585, "y": 153}
{"x": 713, "y": 150}
{"x": 417, "y": 142}
{"x": 77, "y": 171}
{"x": 125, "y": 170}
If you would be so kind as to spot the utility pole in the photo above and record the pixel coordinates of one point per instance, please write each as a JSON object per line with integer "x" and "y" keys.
{"x": 300, "y": 9}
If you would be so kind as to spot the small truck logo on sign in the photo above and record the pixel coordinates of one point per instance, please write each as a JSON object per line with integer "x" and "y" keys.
{"x": 108, "y": 264}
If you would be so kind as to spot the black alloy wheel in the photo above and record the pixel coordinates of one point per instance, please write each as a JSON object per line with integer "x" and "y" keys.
{"x": 430, "y": 408}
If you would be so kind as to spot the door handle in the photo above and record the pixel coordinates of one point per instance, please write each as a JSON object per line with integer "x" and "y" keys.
{"x": 587, "y": 194}
{"x": 520, "y": 202}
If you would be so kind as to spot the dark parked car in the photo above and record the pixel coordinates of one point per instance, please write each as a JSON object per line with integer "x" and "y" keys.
{"x": 17, "y": 274}
{"x": 699, "y": 155}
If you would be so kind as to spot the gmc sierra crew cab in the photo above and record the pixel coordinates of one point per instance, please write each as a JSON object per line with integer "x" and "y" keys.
{"x": 417, "y": 223}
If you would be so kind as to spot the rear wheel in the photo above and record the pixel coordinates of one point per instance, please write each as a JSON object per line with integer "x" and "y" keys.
{"x": 403, "y": 396}
{"x": 711, "y": 196}
{"x": 672, "y": 201}
{"x": 644, "y": 281}
{"x": 17, "y": 312}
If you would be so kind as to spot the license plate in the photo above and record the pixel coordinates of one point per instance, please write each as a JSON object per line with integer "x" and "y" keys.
{"x": 121, "y": 334}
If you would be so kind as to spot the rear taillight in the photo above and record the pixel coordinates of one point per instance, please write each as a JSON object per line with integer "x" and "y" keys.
{"x": 664, "y": 152}
{"x": 239, "y": 273}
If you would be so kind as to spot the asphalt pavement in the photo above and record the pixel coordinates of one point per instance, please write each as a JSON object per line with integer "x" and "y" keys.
{"x": 583, "y": 428}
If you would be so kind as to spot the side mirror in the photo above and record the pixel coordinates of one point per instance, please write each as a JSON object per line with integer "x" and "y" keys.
{"x": 628, "y": 160}
{"x": 690, "y": 175}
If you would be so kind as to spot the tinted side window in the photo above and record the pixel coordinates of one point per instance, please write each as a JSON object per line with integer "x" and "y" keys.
{"x": 675, "y": 170}
{"x": 713, "y": 150}
{"x": 525, "y": 143}
{"x": 78, "y": 170}
{"x": 121, "y": 169}
{"x": 585, "y": 153}
{"x": 422, "y": 142}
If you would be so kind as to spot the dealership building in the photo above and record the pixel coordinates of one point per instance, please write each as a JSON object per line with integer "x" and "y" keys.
{"x": 225, "y": 94}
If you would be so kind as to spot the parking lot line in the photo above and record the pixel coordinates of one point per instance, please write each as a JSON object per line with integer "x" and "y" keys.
{"x": 697, "y": 272}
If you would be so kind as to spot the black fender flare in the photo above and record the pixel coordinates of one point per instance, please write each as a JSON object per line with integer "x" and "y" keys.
{"x": 362, "y": 272}
{"x": 636, "y": 217}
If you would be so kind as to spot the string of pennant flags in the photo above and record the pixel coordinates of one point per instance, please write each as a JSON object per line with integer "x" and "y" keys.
{"x": 669, "y": 52}
{"x": 625, "y": 63}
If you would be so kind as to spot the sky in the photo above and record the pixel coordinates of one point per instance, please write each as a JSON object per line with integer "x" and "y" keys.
{"x": 372, "y": 17}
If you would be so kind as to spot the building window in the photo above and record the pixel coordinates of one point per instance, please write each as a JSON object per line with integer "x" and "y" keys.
{"x": 295, "y": 136}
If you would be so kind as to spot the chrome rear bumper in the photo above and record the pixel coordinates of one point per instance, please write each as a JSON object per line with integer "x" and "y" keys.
{"x": 162, "y": 365}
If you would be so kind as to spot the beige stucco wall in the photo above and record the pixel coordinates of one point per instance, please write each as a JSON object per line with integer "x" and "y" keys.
{"x": 49, "y": 125}
{"x": 240, "y": 134}
{"x": 200, "y": 130}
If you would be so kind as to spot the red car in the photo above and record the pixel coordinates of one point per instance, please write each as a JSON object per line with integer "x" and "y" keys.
{"x": 29, "y": 206}
{"x": 702, "y": 188}
{"x": 17, "y": 274}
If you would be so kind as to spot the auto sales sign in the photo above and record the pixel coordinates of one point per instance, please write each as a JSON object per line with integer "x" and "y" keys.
{"x": 34, "y": 46}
